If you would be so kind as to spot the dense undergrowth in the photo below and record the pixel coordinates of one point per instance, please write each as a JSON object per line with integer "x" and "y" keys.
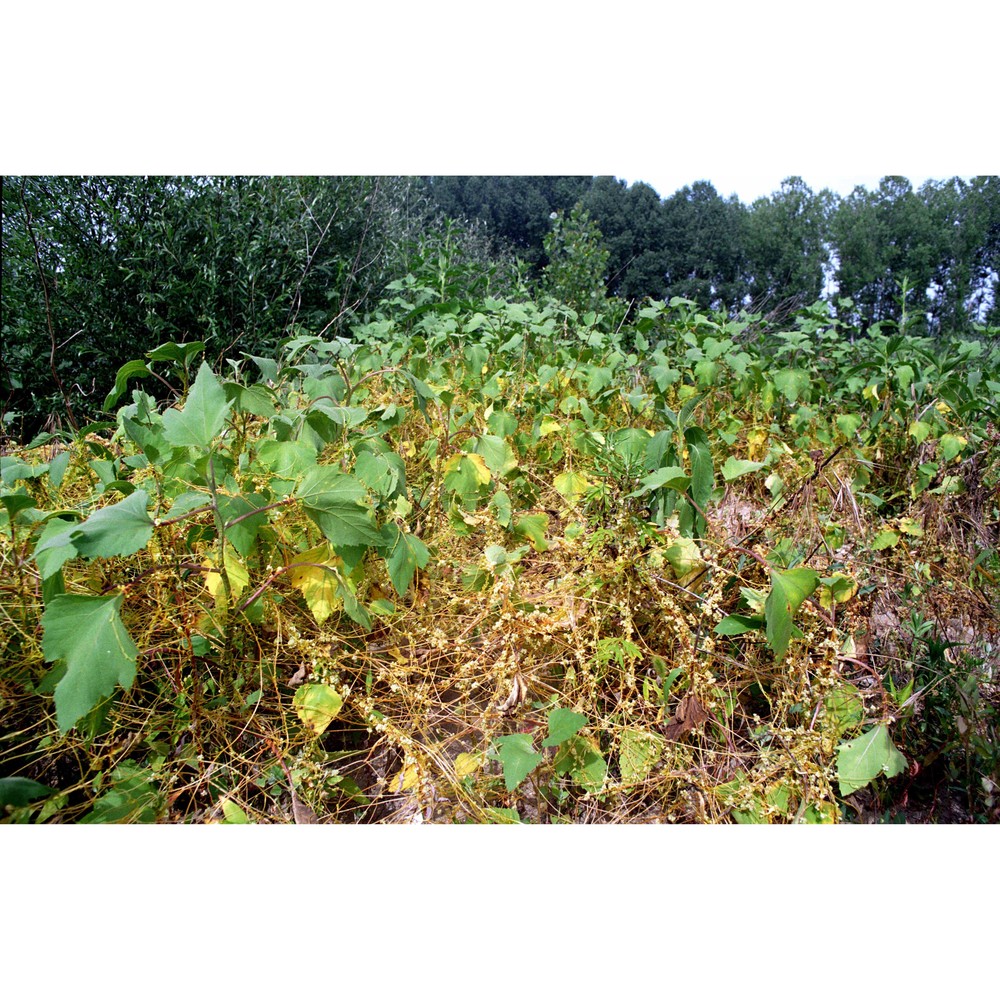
{"x": 495, "y": 561}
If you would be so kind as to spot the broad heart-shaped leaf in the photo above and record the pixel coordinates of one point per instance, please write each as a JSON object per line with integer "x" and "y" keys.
{"x": 407, "y": 555}
{"x": 203, "y": 416}
{"x": 243, "y": 533}
{"x": 865, "y": 757}
{"x": 571, "y": 486}
{"x": 338, "y": 503}
{"x": 563, "y": 724}
{"x": 466, "y": 474}
{"x": 87, "y": 632}
{"x": 237, "y": 574}
{"x": 286, "y": 459}
{"x": 581, "y": 759}
{"x": 54, "y": 546}
{"x": 517, "y": 757}
{"x": 533, "y": 528}
{"x": 789, "y": 589}
{"x": 499, "y": 456}
{"x": 791, "y": 382}
{"x": 319, "y": 585}
{"x": 638, "y": 752}
{"x": 317, "y": 705}
{"x": 733, "y": 468}
{"x": 120, "y": 529}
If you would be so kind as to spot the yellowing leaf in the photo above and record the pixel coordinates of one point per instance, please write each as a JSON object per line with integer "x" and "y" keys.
{"x": 951, "y": 445}
{"x": 685, "y": 558}
{"x": 756, "y": 444}
{"x": 549, "y": 425}
{"x": 571, "y": 486}
{"x": 317, "y": 706}
{"x": 468, "y": 763}
{"x": 404, "y": 779}
{"x": 837, "y": 589}
{"x": 238, "y": 574}
{"x": 318, "y": 585}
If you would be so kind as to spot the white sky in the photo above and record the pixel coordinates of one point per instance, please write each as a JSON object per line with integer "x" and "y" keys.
{"x": 743, "y": 97}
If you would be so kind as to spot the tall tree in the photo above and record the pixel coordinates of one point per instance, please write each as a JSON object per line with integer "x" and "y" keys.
{"x": 785, "y": 240}
{"x": 516, "y": 209}
{"x": 632, "y": 223}
{"x": 880, "y": 238}
{"x": 966, "y": 215}
{"x": 703, "y": 244}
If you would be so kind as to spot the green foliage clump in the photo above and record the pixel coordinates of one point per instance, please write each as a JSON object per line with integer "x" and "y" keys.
{"x": 491, "y": 560}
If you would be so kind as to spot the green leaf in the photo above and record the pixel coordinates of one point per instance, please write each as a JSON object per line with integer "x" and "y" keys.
{"x": 789, "y": 589}
{"x": 317, "y": 705}
{"x": 338, "y": 503}
{"x": 87, "y": 632}
{"x": 885, "y": 540}
{"x": 132, "y": 798}
{"x": 54, "y": 547}
{"x": 671, "y": 477}
{"x": 563, "y": 724}
{"x": 791, "y": 383}
{"x": 702, "y": 473}
{"x": 844, "y": 707}
{"x": 243, "y": 534}
{"x": 466, "y": 474}
{"x": 376, "y": 473}
{"x": 286, "y": 459}
{"x": 738, "y": 624}
{"x": 571, "y": 486}
{"x": 497, "y": 453}
{"x": 20, "y": 791}
{"x": 848, "y": 424}
{"x": 120, "y": 529}
{"x": 733, "y": 468}
{"x": 203, "y": 416}
{"x": 127, "y": 371}
{"x": 14, "y": 503}
{"x": 580, "y": 758}
{"x": 233, "y": 813}
{"x": 864, "y": 758}
{"x": 533, "y": 528}
{"x": 255, "y": 399}
{"x": 313, "y": 572}
{"x": 408, "y": 554}
{"x": 951, "y": 445}
{"x": 518, "y": 758}
{"x": 501, "y": 507}
{"x": 684, "y": 557}
{"x": 638, "y": 752}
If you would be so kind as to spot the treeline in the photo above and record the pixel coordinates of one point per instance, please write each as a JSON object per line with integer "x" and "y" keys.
{"x": 943, "y": 239}
{"x": 97, "y": 270}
